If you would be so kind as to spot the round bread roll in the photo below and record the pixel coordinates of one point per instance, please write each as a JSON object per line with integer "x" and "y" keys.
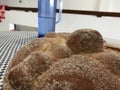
{"x": 38, "y": 44}
{"x": 85, "y": 40}
{"x": 64, "y": 61}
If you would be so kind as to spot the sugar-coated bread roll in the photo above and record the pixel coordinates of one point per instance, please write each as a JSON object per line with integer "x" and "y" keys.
{"x": 111, "y": 60}
{"x": 65, "y": 61}
{"x": 22, "y": 75}
{"x": 58, "y": 51}
{"x": 38, "y": 44}
{"x": 22, "y": 53}
{"x": 85, "y": 40}
{"x": 77, "y": 73}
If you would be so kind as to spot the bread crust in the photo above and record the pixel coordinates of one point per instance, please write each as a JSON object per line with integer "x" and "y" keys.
{"x": 85, "y": 40}
{"x": 75, "y": 73}
{"x": 64, "y": 61}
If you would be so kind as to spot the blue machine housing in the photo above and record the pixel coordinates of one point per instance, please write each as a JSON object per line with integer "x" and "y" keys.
{"x": 46, "y": 16}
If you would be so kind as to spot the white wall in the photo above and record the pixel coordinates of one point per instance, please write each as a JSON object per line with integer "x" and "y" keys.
{"x": 67, "y": 4}
{"x": 23, "y": 18}
{"x": 105, "y": 5}
{"x": 115, "y": 6}
{"x": 81, "y": 4}
{"x": 108, "y": 26}
{"x": 24, "y": 3}
{"x": 19, "y": 17}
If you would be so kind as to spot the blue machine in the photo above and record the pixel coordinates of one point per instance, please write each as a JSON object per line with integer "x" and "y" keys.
{"x": 47, "y": 16}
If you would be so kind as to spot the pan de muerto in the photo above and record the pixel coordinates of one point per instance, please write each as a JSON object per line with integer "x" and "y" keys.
{"x": 65, "y": 61}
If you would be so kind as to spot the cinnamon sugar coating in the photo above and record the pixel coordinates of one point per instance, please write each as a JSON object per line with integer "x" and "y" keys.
{"x": 54, "y": 35}
{"x": 58, "y": 51}
{"x": 85, "y": 40}
{"x": 65, "y": 61}
{"x": 77, "y": 73}
{"x": 38, "y": 44}
{"x": 111, "y": 60}
{"x": 22, "y": 75}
